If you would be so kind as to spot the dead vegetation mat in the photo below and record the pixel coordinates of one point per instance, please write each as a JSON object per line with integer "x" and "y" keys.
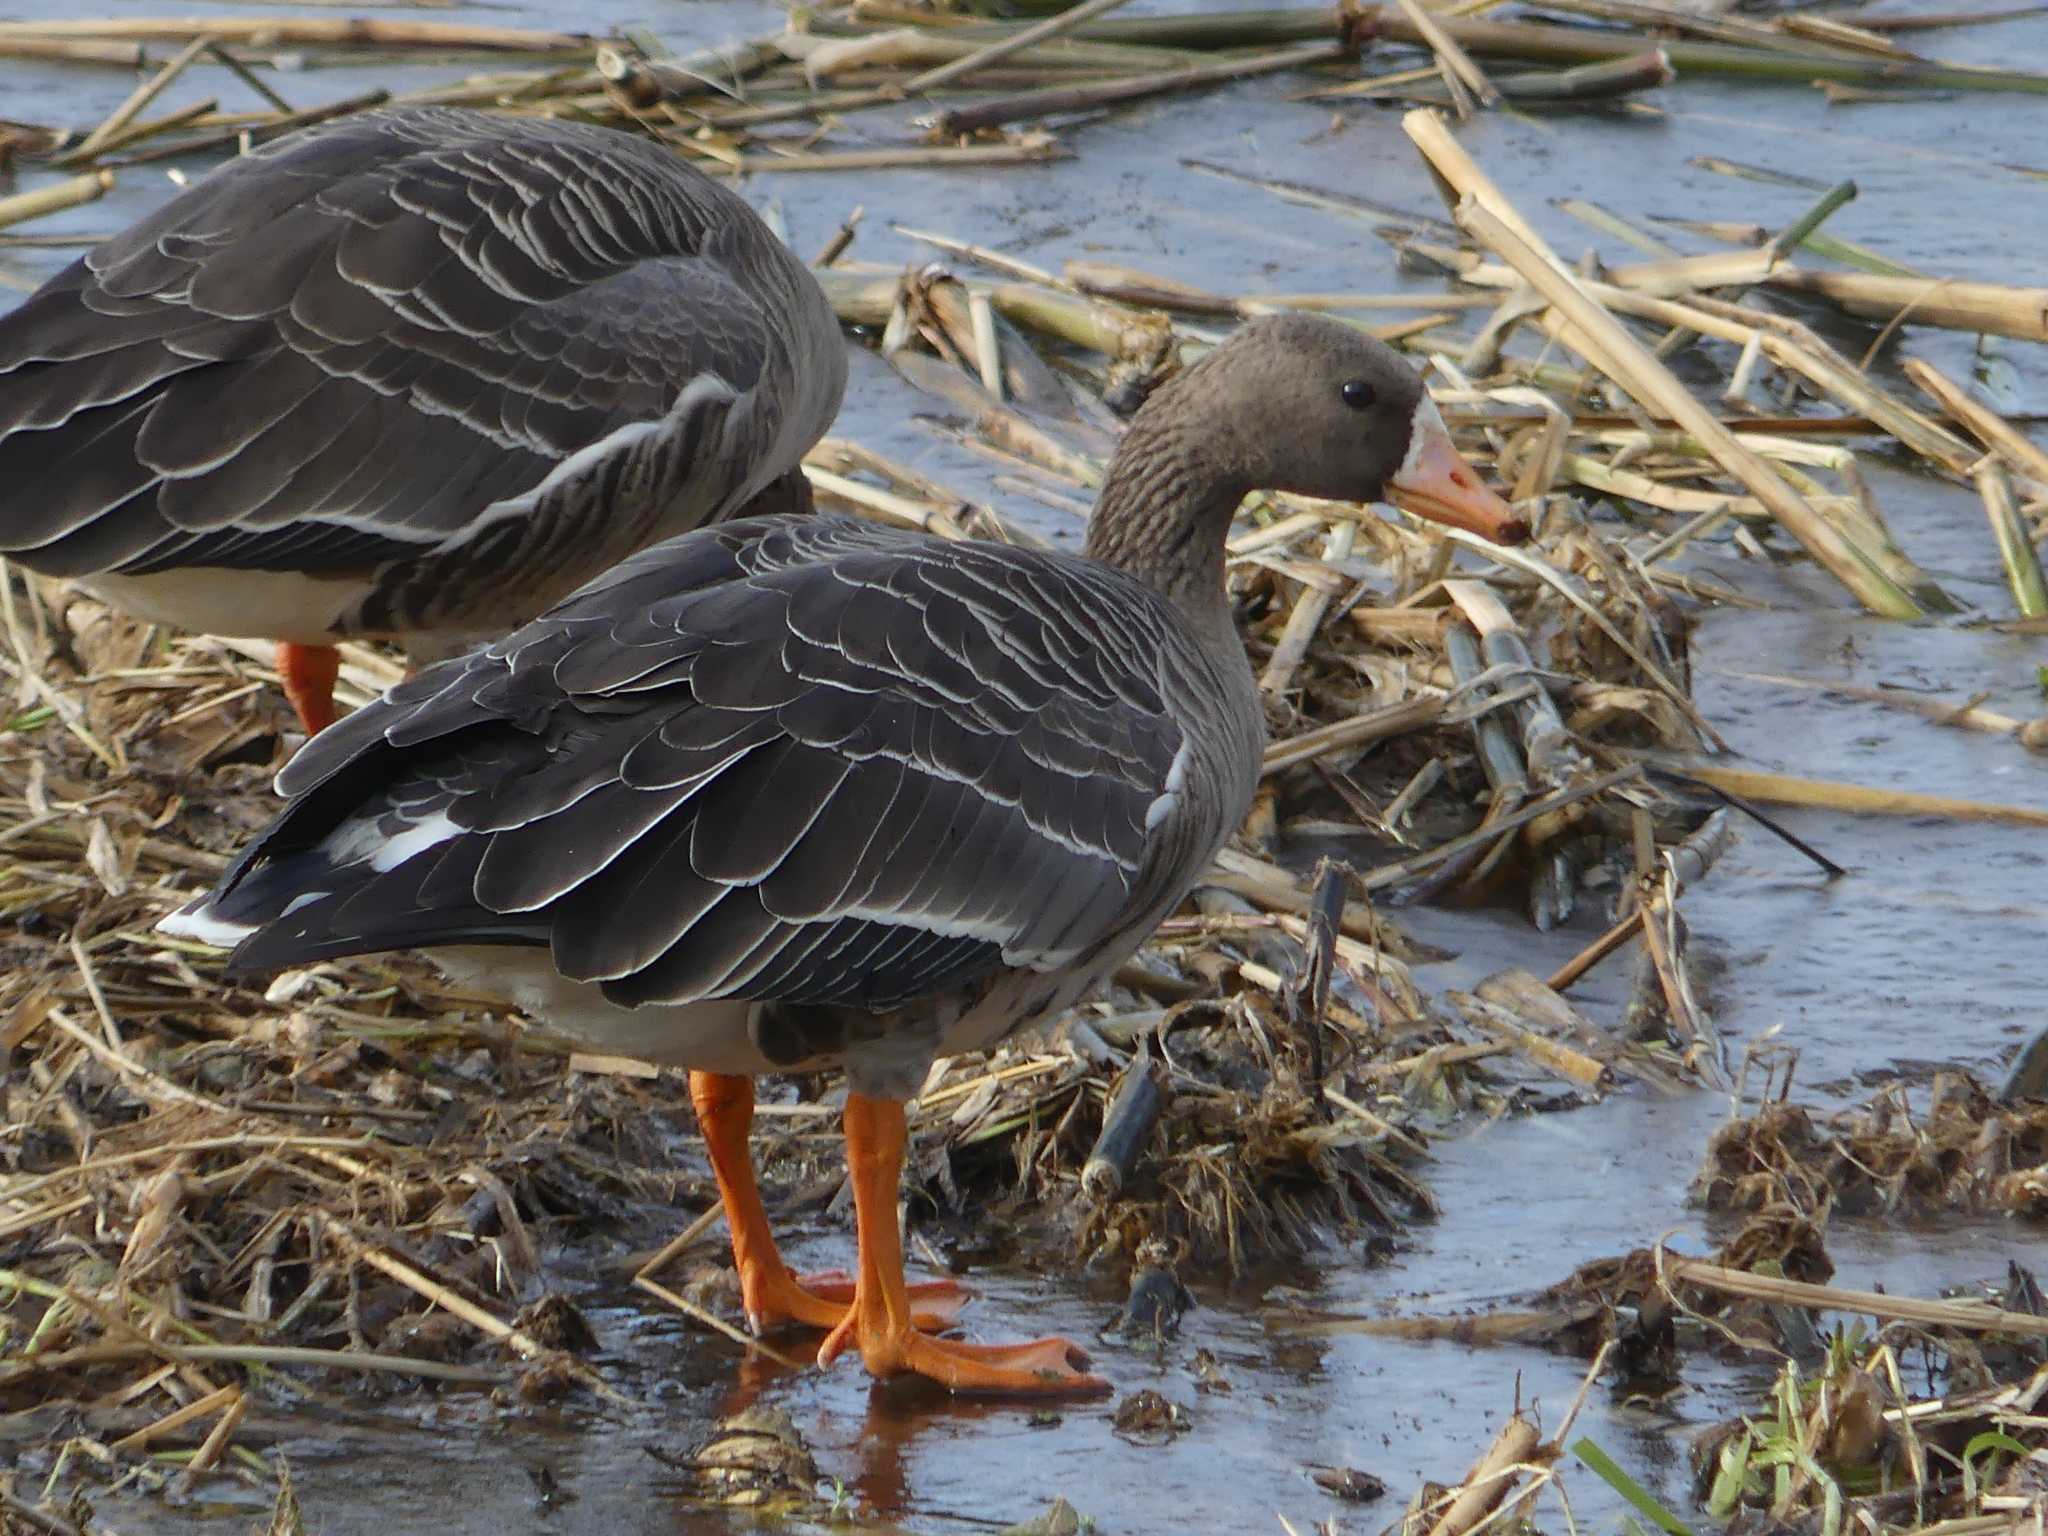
{"x": 1963, "y": 1151}
{"x": 209, "y": 1191}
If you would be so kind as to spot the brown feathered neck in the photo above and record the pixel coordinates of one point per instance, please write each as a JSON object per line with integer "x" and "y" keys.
{"x": 1165, "y": 509}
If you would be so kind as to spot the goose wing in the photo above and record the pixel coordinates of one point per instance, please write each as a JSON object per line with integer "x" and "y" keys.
{"x": 809, "y": 761}
{"x": 345, "y": 347}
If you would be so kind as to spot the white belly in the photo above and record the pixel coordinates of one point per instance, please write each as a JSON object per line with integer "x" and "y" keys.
{"x": 705, "y": 1037}
{"x": 248, "y": 605}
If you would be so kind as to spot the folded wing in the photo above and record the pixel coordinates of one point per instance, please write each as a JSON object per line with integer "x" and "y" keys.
{"x": 343, "y": 348}
{"x": 808, "y": 761}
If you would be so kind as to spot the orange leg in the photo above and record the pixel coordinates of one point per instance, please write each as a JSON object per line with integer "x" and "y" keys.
{"x": 309, "y": 672}
{"x": 880, "y": 1323}
{"x": 769, "y": 1292}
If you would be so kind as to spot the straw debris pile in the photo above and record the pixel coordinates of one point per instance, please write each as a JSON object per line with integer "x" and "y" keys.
{"x": 213, "y": 1191}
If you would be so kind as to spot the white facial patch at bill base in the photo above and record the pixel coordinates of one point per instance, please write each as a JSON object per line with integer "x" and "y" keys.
{"x": 1427, "y": 421}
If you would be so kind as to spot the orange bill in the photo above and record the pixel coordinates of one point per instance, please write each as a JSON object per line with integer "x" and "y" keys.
{"x": 1435, "y": 482}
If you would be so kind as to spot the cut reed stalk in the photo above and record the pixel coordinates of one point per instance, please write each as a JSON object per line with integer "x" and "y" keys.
{"x": 1624, "y": 359}
{"x": 1034, "y": 149}
{"x": 1579, "y": 45}
{"x": 75, "y": 51}
{"x": 1970, "y": 1316}
{"x": 1997, "y": 308}
{"x": 2015, "y": 549}
{"x": 1498, "y": 755}
{"x": 1964, "y": 715}
{"x": 1083, "y": 98}
{"x": 301, "y": 32}
{"x": 1546, "y": 744}
{"x": 1053, "y": 26}
{"x": 1453, "y": 59}
{"x": 1857, "y": 799}
{"x": 138, "y": 99}
{"x": 1983, "y": 423}
{"x": 1492, "y": 1478}
{"x": 1917, "y": 431}
{"x": 23, "y": 206}
{"x": 1306, "y": 619}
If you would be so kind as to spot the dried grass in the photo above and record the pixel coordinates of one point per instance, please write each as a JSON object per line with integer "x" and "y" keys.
{"x": 210, "y": 1190}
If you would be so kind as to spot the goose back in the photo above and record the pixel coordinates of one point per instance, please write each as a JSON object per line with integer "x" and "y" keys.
{"x": 416, "y": 370}
{"x": 897, "y": 796}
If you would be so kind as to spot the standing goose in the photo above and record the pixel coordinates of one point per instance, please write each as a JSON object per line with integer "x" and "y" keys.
{"x": 791, "y": 793}
{"x": 417, "y": 374}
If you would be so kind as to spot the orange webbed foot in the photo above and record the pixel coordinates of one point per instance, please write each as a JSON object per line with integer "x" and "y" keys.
{"x": 1041, "y": 1368}
{"x": 935, "y": 1305}
{"x": 822, "y": 1298}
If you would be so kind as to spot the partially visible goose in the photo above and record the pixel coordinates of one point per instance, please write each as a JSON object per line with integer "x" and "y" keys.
{"x": 790, "y": 793}
{"x": 416, "y": 374}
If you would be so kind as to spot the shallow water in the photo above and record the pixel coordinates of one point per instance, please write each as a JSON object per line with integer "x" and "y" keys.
{"x": 1930, "y": 950}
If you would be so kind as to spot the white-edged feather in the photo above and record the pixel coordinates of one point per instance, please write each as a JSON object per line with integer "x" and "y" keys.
{"x": 194, "y": 921}
{"x": 363, "y": 841}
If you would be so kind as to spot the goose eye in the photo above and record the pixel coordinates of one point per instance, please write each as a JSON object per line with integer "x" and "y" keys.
{"x": 1357, "y": 394}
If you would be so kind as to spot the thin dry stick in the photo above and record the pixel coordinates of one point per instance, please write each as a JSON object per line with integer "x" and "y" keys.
{"x": 1002, "y": 48}
{"x": 198, "y": 1408}
{"x": 146, "y": 1082}
{"x": 249, "y": 77}
{"x": 1924, "y": 436}
{"x": 135, "y": 133}
{"x": 336, "y": 1360}
{"x": 682, "y": 1240}
{"x": 1964, "y": 715}
{"x": 216, "y": 1443}
{"x": 1031, "y": 150}
{"x": 1082, "y": 98}
{"x": 1455, "y": 59}
{"x": 36, "y": 1519}
{"x": 1595, "y": 952}
{"x": 139, "y": 98}
{"x": 449, "y": 1301}
{"x": 42, "y": 1181}
{"x": 715, "y": 1323}
{"x": 1405, "y": 869}
{"x": 1400, "y": 719}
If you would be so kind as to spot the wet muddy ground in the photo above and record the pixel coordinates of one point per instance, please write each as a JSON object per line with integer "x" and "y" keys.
{"x": 1930, "y": 950}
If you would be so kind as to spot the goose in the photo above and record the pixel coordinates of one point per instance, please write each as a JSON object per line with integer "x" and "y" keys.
{"x": 416, "y": 374}
{"x": 789, "y": 793}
